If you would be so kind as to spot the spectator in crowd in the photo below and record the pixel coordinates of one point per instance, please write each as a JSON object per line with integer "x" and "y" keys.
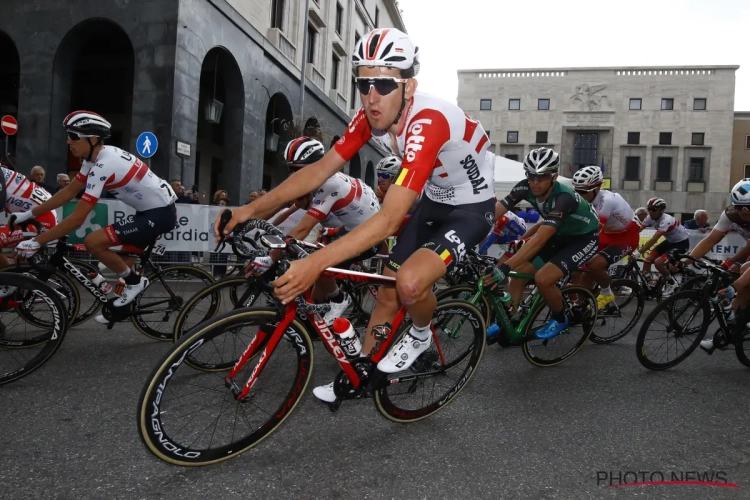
{"x": 63, "y": 181}
{"x": 641, "y": 213}
{"x": 221, "y": 195}
{"x": 254, "y": 195}
{"x": 182, "y": 195}
{"x": 261, "y": 193}
{"x": 699, "y": 221}
{"x": 37, "y": 175}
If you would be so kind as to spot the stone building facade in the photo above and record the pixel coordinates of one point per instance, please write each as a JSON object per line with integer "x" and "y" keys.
{"x": 658, "y": 131}
{"x": 741, "y": 147}
{"x": 221, "y": 77}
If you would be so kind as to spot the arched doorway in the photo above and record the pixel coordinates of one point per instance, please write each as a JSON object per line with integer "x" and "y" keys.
{"x": 93, "y": 70}
{"x": 220, "y": 122}
{"x": 355, "y": 167}
{"x": 279, "y": 129}
{"x": 10, "y": 73}
{"x": 370, "y": 174}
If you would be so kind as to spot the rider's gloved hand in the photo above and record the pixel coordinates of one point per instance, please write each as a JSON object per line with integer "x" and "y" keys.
{"x": 262, "y": 264}
{"x": 636, "y": 254}
{"x": 515, "y": 245}
{"x": 23, "y": 216}
{"x": 27, "y": 248}
{"x": 728, "y": 293}
{"x": 727, "y": 264}
{"x": 499, "y": 273}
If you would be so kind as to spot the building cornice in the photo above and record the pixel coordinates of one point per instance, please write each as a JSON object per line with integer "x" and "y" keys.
{"x": 596, "y": 68}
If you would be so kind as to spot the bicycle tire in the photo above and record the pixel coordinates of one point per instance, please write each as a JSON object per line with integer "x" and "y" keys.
{"x": 739, "y": 348}
{"x": 55, "y": 331}
{"x": 67, "y": 290}
{"x": 383, "y": 397}
{"x": 96, "y": 305}
{"x": 150, "y": 414}
{"x": 637, "y": 295}
{"x": 452, "y": 294}
{"x": 669, "y": 305}
{"x": 577, "y": 292}
{"x": 140, "y": 316}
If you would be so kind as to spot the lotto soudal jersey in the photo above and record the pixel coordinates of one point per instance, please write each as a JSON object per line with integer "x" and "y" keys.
{"x": 21, "y": 194}
{"x": 730, "y": 220}
{"x": 615, "y": 214}
{"x": 564, "y": 209}
{"x": 442, "y": 151}
{"x": 669, "y": 227}
{"x": 351, "y": 201}
{"x": 127, "y": 178}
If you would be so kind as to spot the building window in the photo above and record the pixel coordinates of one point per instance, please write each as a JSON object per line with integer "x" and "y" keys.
{"x": 488, "y": 133}
{"x": 667, "y": 104}
{"x": 485, "y": 104}
{"x": 634, "y": 137}
{"x": 664, "y": 168}
{"x": 354, "y": 99}
{"x": 543, "y": 105}
{"x": 377, "y": 17}
{"x": 747, "y": 142}
{"x": 698, "y": 138}
{"x": 312, "y": 38}
{"x": 665, "y": 138}
{"x": 513, "y": 137}
{"x": 277, "y": 14}
{"x": 515, "y": 158}
{"x": 339, "y": 18}
{"x": 635, "y": 104}
{"x": 695, "y": 170}
{"x": 514, "y": 104}
{"x": 541, "y": 137}
{"x": 747, "y": 172}
{"x": 632, "y": 168}
{"x": 335, "y": 72}
{"x": 699, "y": 104}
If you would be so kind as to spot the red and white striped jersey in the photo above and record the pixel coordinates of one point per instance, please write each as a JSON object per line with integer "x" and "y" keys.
{"x": 21, "y": 194}
{"x": 351, "y": 201}
{"x": 615, "y": 214}
{"x": 667, "y": 225}
{"x": 443, "y": 151}
{"x": 127, "y": 178}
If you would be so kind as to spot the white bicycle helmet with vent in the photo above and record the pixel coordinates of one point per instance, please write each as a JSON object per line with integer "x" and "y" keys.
{"x": 389, "y": 165}
{"x": 588, "y": 177}
{"x": 387, "y": 47}
{"x": 741, "y": 193}
{"x": 541, "y": 161}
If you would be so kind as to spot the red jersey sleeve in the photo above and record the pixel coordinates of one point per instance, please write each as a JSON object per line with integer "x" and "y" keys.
{"x": 357, "y": 134}
{"x": 427, "y": 134}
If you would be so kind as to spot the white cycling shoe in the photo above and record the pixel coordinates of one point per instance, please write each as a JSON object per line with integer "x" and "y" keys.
{"x": 6, "y": 290}
{"x": 131, "y": 292}
{"x": 337, "y": 309}
{"x": 325, "y": 393}
{"x": 404, "y": 353}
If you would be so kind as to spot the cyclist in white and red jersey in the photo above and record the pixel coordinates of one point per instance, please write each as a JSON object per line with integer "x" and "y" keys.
{"x": 341, "y": 200}
{"x": 443, "y": 151}
{"x": 126, "y": 177}
{"x": 619, "y": 231}
{"x": 675, "y": 241}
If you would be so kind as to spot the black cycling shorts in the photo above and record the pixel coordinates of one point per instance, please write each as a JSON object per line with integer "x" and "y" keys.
{"x": 568, "y": 252}
{"x": 670, "y": 249}
{"x": 447, "y": 230}
{"x": 138, "y": 231}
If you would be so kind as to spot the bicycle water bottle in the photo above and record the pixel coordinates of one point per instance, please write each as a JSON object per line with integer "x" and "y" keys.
{"x": 119, "y": 287}
{"x": 100, "y": 282}
{"x": 726, "y": 308}
{"x": 506, "y": 300}
{"x": 348, "y": 339}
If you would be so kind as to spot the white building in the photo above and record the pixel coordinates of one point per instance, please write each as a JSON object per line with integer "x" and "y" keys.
{"x": 658, "y": 131}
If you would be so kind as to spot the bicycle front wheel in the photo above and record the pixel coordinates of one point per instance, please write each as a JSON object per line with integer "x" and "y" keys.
{"x": 619, "y": 317}
{"x": 673, "y": 330}
{"x": 440, "y": 373}
{"x": 26, "y": 345}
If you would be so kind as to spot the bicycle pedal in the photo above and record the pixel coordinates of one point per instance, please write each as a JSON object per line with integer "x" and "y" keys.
{"x": 335, "y": 405}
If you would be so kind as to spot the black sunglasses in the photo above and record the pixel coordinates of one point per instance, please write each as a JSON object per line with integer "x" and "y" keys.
{"x": 539, "y": 177}
{"x": 583, "y": 191}
{"x": 654, "y": 209}
{"x": 382, "y": 85}
{"x": 385, "y": 176}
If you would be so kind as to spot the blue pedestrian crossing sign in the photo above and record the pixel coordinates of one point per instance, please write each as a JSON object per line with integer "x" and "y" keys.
{"x": 146, "y": 144}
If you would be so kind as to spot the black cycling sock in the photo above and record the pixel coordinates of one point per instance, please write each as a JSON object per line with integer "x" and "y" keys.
{"x": 559, "y": 316}
{"x": 132, "y": 279}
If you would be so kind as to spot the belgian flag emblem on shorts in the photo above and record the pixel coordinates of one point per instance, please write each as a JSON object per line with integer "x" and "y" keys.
{"x": 447, "y": 257}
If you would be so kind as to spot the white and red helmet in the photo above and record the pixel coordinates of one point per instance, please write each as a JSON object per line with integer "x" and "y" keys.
{"x": 387, "y": 47}
{"x": 303, "y": 151}
{"x": 656, "y": 203}
{"x": 588, "y": 177}
{"x": 390, "y": 165}
{"x": 87, "y": 123}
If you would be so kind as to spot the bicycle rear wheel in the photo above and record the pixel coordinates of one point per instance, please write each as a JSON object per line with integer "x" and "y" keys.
{"x": 157, "y": 308}
{"x": 190, "y": 417}
{"x": 26, "y": 345}
{"x": 619, "y": 317}
{"x": 580, "y": 307}
{"x": 438, "y": 375}
{"x": 676, "y": 325}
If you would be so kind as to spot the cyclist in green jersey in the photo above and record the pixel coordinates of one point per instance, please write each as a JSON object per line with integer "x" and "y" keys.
{"x": 566, "y": 236}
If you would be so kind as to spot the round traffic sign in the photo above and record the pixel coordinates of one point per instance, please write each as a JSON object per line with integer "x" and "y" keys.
{"x": 9, "y": 125}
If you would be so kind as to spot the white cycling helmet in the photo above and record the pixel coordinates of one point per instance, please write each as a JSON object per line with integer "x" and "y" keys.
{"x": 741, "y": 193}
{"x": 87, "y": 123}
{"x": 588, "y": 178}
{"x": 656, "y": 203}
{"x": 541, "y": 161}
{"x": 303, "y": 151}
{"x": 387, "y": 47}
{"x": 390, "y": 165}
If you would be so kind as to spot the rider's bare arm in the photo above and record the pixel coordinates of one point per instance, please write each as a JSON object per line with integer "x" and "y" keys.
{"x": 60, "y": 198}
{"x": 532, "y": 247}
{"x": 377, "y": 228}
{"x": 742, "y": 255}
{"x": 303, "y": 227}
{"x": 651, "y": 242}
{"x": 706, "y": 244}
{"x": 500, "y": 210}
{"x": 532, "y": 230}
{"x": 69, "y": 224}
{"x": 284, "y": 215}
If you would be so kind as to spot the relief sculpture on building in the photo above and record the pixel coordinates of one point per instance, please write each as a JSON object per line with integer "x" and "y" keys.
{"x": 587, "y": 98}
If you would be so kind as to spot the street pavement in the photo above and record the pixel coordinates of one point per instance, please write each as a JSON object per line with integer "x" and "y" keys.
{"x": 517, "y": 431}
